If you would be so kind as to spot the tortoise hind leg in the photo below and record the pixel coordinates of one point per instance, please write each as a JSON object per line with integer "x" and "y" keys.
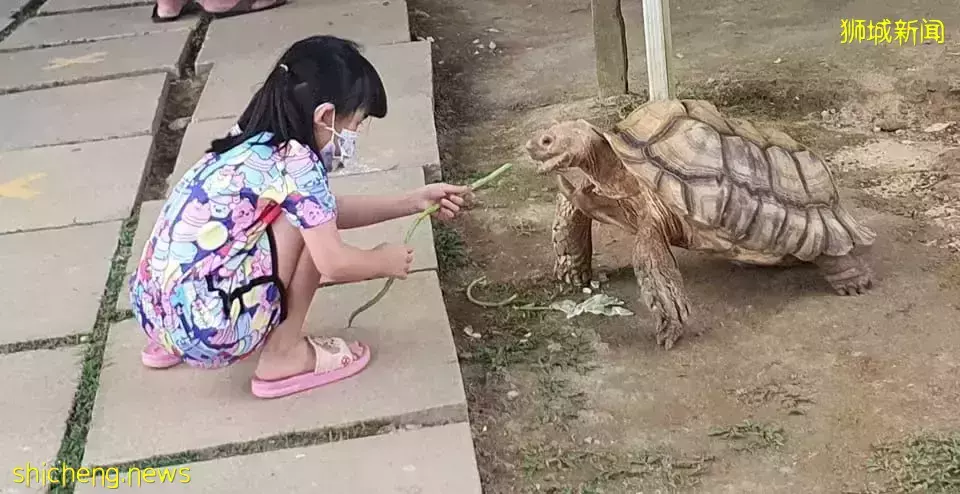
{"x": 572, "y": 243}
{"x": 848, "y": 275}
{"x": 661, "y": 284}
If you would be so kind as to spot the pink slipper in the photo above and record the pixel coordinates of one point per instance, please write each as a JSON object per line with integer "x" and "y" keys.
{"x": 155, "y": 357}
{"x": 335, "y": 361}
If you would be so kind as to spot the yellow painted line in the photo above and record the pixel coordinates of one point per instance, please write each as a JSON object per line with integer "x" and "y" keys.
{"x": 20, "y": 188}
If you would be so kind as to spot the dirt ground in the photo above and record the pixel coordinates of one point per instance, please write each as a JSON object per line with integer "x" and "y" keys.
{"x": 780, "y": 385}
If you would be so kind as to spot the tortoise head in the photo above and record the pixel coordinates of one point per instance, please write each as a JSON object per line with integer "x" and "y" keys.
{"x": 567, "y": 144}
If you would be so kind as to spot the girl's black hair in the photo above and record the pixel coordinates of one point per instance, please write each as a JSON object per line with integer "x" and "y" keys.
{"x": 314, "y": 70}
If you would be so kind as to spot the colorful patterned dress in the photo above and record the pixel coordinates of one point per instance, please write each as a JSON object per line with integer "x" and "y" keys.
{"x": 207, "y": 286}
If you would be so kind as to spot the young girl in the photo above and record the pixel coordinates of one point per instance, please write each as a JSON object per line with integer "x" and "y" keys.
{"x": 252, "y": 229}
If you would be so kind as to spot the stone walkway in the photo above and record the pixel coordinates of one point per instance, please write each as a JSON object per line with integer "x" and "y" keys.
{"x": 84, "y": 85}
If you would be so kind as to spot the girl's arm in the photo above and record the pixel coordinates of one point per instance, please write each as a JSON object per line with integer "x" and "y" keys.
{"x": 339, "y": 262}
{"x": 359, "y": 211}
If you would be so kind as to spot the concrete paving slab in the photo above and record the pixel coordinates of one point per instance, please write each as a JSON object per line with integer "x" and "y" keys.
{"x": 149, "y": 212}
{"x": 384, "y": 183}
{"x": 53, "y": 30}
{"x": 52, "y": 280}
{"x": 433, "y": 460}
{"x": 36, "y": 400}
{"x": 65, "y": 6}
{"x": 196, "y": 141}
{"x": 413, "y": 376}
{"x": 405, "y": 138}
{"x": 368, "y": 22}
{"x": 108, "y": 59}
{"x": 99, "y": 110}
{"x": 77, "y": 183}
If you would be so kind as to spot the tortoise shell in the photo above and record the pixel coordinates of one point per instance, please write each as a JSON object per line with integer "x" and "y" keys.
{"x": 744, "y": 187}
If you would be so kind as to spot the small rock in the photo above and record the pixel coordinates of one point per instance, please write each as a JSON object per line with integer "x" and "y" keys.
{"x": 468, "y": 330}
{"x": 512, "y": 394}
{"x": 891, "y": 125}
{"x": 492, "y": 45}
{"x": 476, "y": 41}
{"x": 430, "y": 39}
{"x": 679, "y": 55}
{"x": 179, "y": 123}
{"x": 588, "y": 440}
{"x": 778, "y": 60}
{"x": 475, "y": 52}
{"x": 484, "y": 429}
{"x": 492, "y": 30}
{"x": 587, "y": 290}
{"x": 900, "y": 132}
{"x": 876, "y": 129}
{"x": 595, "y": 285}
{"x": 824, "y": 114}
{"x": 938, "y": 127}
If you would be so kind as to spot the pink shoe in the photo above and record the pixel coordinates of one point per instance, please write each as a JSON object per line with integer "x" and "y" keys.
{"x": 155, "y": 357}
{"x": 335, "y": 361}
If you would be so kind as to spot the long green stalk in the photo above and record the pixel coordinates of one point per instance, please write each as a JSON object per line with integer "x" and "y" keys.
{"x": 413, "y": 227}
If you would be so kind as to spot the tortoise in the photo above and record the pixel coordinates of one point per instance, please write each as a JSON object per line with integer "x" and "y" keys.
{"x": 678, "y": 173}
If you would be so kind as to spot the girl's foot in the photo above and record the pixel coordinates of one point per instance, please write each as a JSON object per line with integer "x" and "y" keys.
{"x": 317, "y": 362}
{"x": 155, "y": 357}
{"x": 227, "y": 8}
{"x": 171, "y": 10}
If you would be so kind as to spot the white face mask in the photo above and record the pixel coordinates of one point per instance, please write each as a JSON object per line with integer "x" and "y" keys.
{"x": 346, "y": 141}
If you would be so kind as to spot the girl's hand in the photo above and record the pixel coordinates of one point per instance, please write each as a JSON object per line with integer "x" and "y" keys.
{"x": 395, "y": 260}
{"x": 449, "y": 197}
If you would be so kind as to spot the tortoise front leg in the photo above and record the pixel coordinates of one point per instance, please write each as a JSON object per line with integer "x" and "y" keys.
{"x": 572, "y": 243}
{"x": 661, "y": 284}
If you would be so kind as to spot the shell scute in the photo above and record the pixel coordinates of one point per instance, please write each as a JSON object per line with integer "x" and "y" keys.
{"x": 739, "y": 211}
{"x": 777, "y": 138}
{"x": 785, "y": 179}
{"x": 813, "y": 238}
{"x": 763, "y": 232}
{"x": 673, "y": 192}
{"x": 690, "y": 149}
{"x": 746, "y": 163}
{"x": 706, "y": 112}
{"x": 706, "y": 201}
{"x": 746, "y": 130}
{"x": 650, "y": 119}
{"x": 792, "y": 230}
{"x": 819, "y": 182}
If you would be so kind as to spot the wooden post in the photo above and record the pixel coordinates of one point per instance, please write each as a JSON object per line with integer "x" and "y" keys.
{"x": 656, "y": 29}
{"x": 610, "y": 43}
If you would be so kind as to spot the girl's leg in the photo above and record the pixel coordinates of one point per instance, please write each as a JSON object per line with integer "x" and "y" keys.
{"x": 286, "y": 351}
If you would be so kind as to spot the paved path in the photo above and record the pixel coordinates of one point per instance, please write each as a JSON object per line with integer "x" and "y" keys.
{"x": 83, "y": 86}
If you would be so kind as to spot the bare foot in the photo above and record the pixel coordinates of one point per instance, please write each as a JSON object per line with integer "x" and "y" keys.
{"x": 280, "y": 363}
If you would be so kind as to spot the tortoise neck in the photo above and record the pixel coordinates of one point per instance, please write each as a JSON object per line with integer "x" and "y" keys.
{"x": 608, "y": 173}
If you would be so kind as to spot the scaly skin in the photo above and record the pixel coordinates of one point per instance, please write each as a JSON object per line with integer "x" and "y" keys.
{"x": 572, "y": 243}
{"x": 848, "y": 275}
{"x": 661, "y": 284}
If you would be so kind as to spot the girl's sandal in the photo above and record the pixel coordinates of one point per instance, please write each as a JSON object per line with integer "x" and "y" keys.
{"x": 244, "y": 7}
{"x": 189, "y": 8}
{"x": 155, "y": 357}
{"x": 335, "y": 361}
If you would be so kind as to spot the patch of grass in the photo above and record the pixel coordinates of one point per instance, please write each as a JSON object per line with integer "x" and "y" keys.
{"x": 926, "y": 463}
{"x": 752, "y": 436}
{"x": 450, "y": 247}
{"x": 540, "y": 340}
{"x": 78, "y": 422}
{"x": 791, "y": 396}
{"x": 561, "y": 470}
